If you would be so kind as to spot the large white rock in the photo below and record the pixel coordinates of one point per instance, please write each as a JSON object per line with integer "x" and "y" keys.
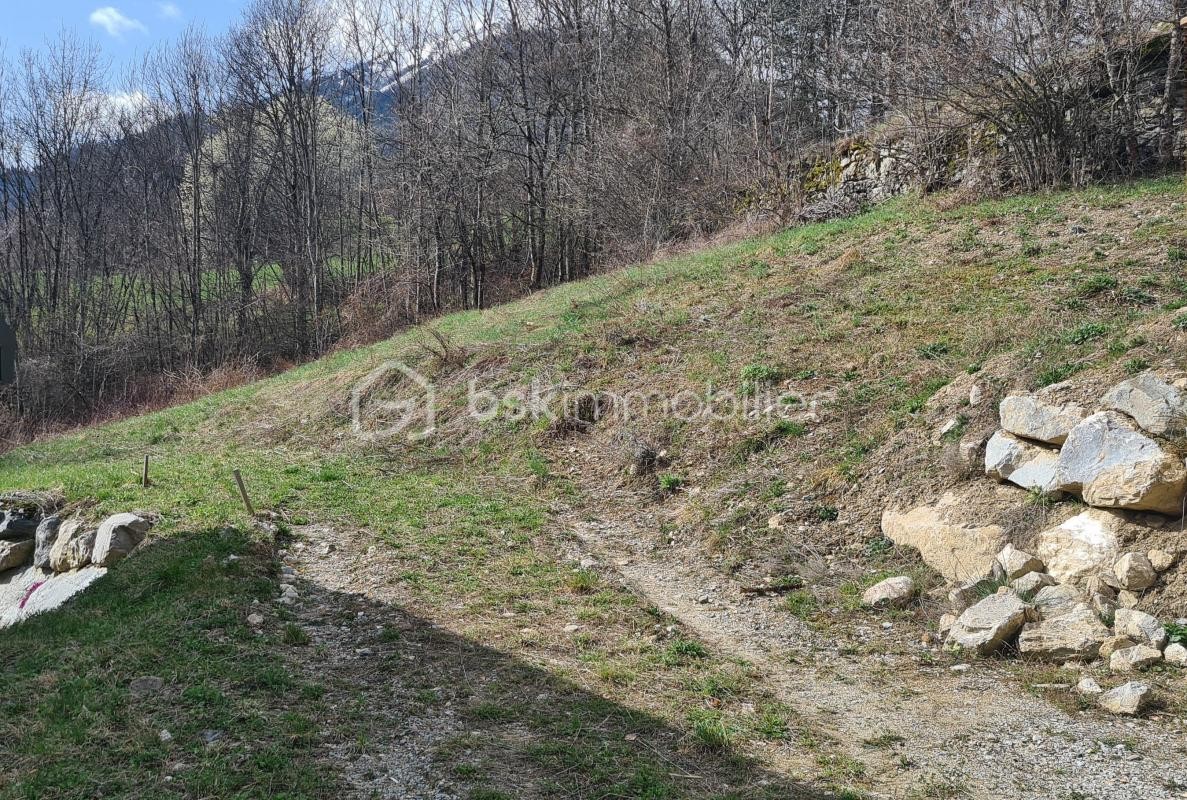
{"x": 1075, "y": 635}
{"x": 1140, "y": 626}
{"x": 50, "y": 593}
{"x": 958, "y": 549}
{"x": 987, "y": 625}
{"x": 117, "y": 537}
{"x": 1082, "y": 546}
{"x": 73, "y": 547}
{"x": 1112, "y": 464}
{"x": 1157, "y": 405}
{"x": 1040, "y": 416}
{"x": 1025, "y": 464}
{"x": 1128, "y": 699}
{"x": 894, "y": 592}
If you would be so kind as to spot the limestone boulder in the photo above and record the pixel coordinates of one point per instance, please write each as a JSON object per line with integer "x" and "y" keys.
{"x": 1052, "y": 601}
{"x": 15, "y": 554}
{"x": 1074, "y": 636}
{"x": 1156, "y": 404}
{"x": 73, "y": 547}
{"x": 1112, "y": 464}
{"x": 1015, "y": 563}
{"x": 17, "y": 525}
{"x": 1140, "y": 626}
{"x": 984, "y": 627}
{"x": 1031, "y": 583}
{"x": 896, "y": 592}
{"x": 1128, "y": 699}
{"x": 1022, "y": 463}
{"x": 1175, "y": 654}
{"x": 1114, "y": 643}
{"x": 1083, "y": 546}
{"x": 1040, "y": 416}
{"x": 1135, "y": 572}
{"x": 44, "y": 538}
{"x": 1161, "y": 560}
{"x": 969, "y": 593}
{"x": 117, "y": 536}
{"x": 959, "y": 548}
{"x": 1131, "y": 659}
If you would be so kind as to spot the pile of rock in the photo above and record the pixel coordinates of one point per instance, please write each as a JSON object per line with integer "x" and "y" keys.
{"x": 1115, "y": 457}
{"x": 1073, "y": 599}
{"x": 45, "y": 559}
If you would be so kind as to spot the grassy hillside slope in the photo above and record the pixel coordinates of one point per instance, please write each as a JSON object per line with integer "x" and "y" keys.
{"x": 864, "y": 321}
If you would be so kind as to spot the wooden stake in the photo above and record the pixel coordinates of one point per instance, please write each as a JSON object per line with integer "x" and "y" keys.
{"x": 144, "y": 474}
{"x": 251, "y": 512}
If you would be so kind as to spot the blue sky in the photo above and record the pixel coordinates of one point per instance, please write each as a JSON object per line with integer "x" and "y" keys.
{"x": 124, "y": 29}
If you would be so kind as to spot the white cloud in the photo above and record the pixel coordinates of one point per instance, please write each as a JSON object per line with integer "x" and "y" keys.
{"x": 169, "y": 10}
{"x": 115, "y": 23}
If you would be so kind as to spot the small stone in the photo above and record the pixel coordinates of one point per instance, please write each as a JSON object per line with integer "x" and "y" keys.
{"x": 1133, "y": 658}
{"x": 1161, "y": 560}
{"x": 1127, "y": 699}
{"x": 946, "y": 623}
{"x": 165, "y": 736}
{"x": 960, "y": 667}
{"x": 572, "y": 627}
{"x": 1031, "y": 582}
{"x": 210, "y": 736}
{"x": 1140, "y": 626}
{"x": 146, "y": 685}
{"x": 1175, "y": 654}
{"x": 1114, "y": 643}
{"x": 1104, "y": 606}
{"x": 1088, "y": 685}
{"x": 896, "y": 592}
{"x": 1127, "y": 599}
{"x": 976, "y": 394}
{"x": 1054, "y": 600}
{"x": 255, "y": 620}
{"x": 1135, "y": 572}
{"x": 1017, "y": 563}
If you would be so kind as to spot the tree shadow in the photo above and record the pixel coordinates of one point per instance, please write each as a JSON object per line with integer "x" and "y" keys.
{"x": 337, "y": 696}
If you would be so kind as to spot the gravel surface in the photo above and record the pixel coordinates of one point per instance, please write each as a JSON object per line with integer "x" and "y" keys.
{"x": 972, "y": 728}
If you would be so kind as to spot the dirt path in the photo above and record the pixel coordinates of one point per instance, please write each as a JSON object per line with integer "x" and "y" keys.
{"x": 972, "y": 729}
{"x": 352, "y": 612}
{"x": 942, "y": 732}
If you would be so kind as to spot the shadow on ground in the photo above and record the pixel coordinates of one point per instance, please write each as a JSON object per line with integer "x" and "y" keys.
{"x": 340, "y": 697}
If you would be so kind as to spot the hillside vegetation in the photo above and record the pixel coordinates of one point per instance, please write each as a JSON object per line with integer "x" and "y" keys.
{"x": 558, "y": 677}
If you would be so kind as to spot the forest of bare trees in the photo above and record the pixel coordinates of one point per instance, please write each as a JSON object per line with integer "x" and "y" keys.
{"x": 330, "y": 170}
